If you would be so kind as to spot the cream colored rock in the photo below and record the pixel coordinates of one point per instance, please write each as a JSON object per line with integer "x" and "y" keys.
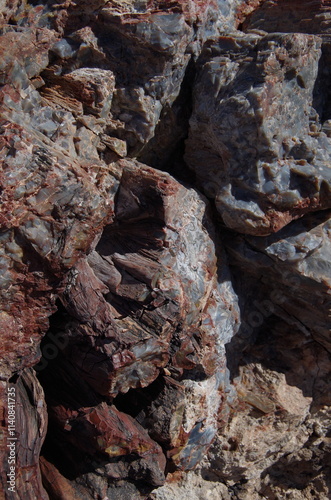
{"x": 190, "y": 486}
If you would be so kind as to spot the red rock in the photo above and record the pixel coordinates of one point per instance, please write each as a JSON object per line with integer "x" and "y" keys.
{"x": 113, "y": 274}
{"x": 23, "y": 428}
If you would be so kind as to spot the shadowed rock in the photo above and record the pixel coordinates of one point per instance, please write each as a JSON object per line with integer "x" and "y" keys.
{"x": 164, "y": 375}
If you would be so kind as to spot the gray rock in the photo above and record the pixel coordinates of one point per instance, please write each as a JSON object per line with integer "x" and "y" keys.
{"x": 261, "y": 173}
{"x": 294, "y": 266}
{"x": 155, "y": 358}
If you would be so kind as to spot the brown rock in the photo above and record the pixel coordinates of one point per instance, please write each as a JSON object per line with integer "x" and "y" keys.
{"x": 38, "y": 239}
{"x": 287, "y": 16}
{"x": 24, "y": 426}
{"x": 113, "y": 275}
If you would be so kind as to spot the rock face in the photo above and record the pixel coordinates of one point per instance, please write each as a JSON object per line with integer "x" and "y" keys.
{"x": 24, "y": 428}
{"x": 165, "y": 249}
{"x": 261, "y": 174}
{"x": 302, "y": 17}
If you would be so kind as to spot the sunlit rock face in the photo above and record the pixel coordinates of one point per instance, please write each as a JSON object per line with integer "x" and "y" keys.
{"x": 261, "y": 172}
{"x": 147, "y": 306}
{"x": 139, "y": 50}
{"x": 165, "y": 249}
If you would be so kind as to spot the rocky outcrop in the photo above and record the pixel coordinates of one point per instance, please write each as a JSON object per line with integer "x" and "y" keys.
{"x": 24, "y": 426}
{"x": 261, "y": 174}
{"x": 143, "y": 307}
{"x": 165, "y": 248}
{"x": 296, "y": 261}
{"x": 301, "y": 17}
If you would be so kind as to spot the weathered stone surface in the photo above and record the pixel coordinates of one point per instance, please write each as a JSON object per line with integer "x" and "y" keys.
{"x": 172, "y": 305}
{"x": 287, "y": 16}
{"x": 278, "y": 425}
{"x": 296, "y": 260}
{"x": 23, "y": 431}
{"x": 139, "y": 304}
{"x": 99, "y": 445}
{"x": 190, "y": 485}
{"x": 283, "y": 410}
{"x": 146, "y": 46}
{"x": 154, "y": 358}
{"x": 8, "y": 9}
{"x": 43, "y": 233}
{"x": 137, "y": 288}
{"x": 261, "y": 173}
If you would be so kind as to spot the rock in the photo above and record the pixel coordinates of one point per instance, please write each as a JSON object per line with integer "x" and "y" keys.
{"x": 173, "y": 346}
{"x": 137, "y": 305}
{"x": 23, "y": 432}
{"x": 104, "y": 429}
{"x": 301, "y": 17}
{"x": 190, "y": 486}
{"x": 296, "y": 261}
{"x": 136, "y": 299}
{"x": 261, "y": 174}
{"x": 58, "y": 485}
{"x": 145, "y": 47}
{"x": 40, "y": 232}
{"x": 282, "y": 388}
{"x": 8, "y": 10}
{"x": 143, "y": 288}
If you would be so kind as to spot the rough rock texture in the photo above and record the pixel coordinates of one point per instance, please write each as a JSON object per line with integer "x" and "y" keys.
{"x": 138, "y": 310}
{"x": 301, "y": 16}
{"x": 165, "y": 249}
{"x": 261, "y": 173}
{"x": 30, "y": 430}
{"x": 297, "y": 261}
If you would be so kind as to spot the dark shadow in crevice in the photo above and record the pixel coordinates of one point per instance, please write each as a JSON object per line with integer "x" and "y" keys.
{"x": 136, "y": 401}
{"x": 282, "y": 348}
{"x": 126, "y": 237}
{"x": 322, "y": 87}
{"x": 166, "y": 149}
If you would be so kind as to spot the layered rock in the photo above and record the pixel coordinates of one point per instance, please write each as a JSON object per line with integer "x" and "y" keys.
{"x": 43, "y": 233}
{"x": 144, "y": 307}
{"x": 146, "y": 297}
{"x": 149, "y": 295}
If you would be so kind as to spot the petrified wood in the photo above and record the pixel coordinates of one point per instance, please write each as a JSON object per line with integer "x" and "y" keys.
{"x": 165, "y": 249}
